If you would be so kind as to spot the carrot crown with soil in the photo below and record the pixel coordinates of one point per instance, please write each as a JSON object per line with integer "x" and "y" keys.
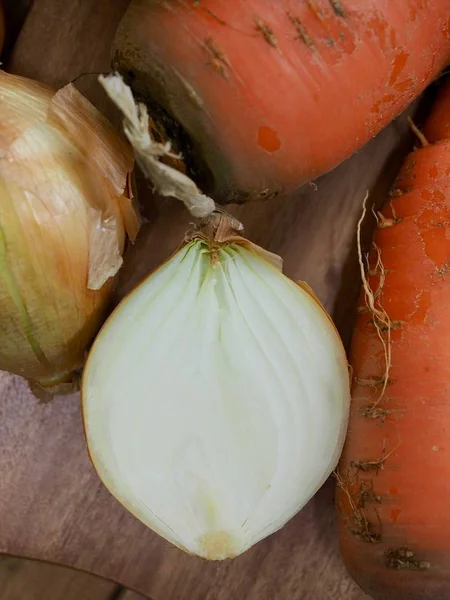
{"x": 262, "y": 96}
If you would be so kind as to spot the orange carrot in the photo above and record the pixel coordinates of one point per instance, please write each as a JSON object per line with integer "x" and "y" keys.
{"x": 268, "y": 94}
{"x": 394, "y": 476}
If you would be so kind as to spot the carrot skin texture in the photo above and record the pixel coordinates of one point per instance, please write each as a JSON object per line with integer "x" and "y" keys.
{"x": 395, "y": 539}
{"x": 274, "y": 94}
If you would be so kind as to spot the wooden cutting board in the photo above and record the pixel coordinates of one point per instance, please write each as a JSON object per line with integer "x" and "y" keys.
{"x": 52, "y": 505}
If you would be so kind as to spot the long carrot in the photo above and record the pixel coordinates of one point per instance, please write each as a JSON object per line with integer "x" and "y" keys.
{"x": 394, "y": 476}
{"x": 265, "y": 95}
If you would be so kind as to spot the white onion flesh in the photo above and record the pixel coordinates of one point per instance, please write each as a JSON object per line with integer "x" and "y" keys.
{"x": 216, "y": 400}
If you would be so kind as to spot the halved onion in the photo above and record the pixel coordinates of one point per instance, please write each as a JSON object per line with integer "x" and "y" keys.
{"x": 216, "y": 398}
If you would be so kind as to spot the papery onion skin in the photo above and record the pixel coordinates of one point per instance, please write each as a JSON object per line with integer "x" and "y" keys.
{"x": 64, "y": 216}
{"x": 192, "y": 414}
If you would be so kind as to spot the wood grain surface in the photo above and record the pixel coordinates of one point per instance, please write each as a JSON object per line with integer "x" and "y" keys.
{"x": 52, "y": 505}
{"x": 22, "y": 579}
{"x": 32, "y": 580}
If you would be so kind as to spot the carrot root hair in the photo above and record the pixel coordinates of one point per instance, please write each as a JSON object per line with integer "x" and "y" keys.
{"x": 360, "y": 526}
{"x": 381, "y": 320}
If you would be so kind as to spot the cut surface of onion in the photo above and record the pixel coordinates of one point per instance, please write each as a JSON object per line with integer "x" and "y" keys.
{"x": 215, "y": 399}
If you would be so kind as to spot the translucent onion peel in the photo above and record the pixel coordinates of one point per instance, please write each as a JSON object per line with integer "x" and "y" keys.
{"x": 216, "y": 398}
{"x": 64, "y": 218}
